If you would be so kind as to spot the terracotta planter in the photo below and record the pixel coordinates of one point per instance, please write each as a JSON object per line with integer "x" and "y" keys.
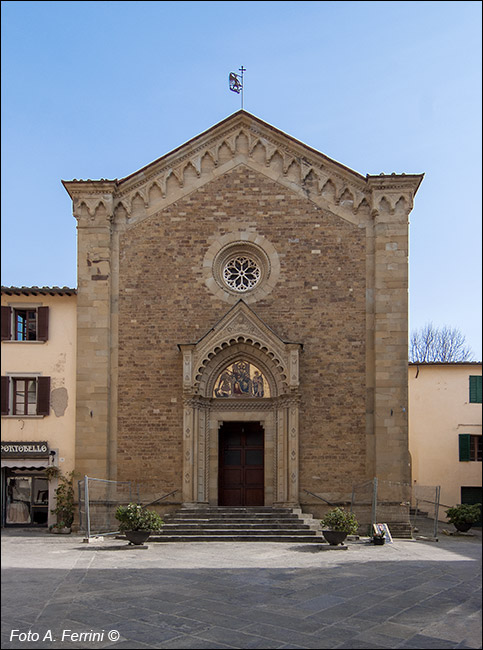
{"x": 137, "y": 537}
{"x": 334, "y": 537}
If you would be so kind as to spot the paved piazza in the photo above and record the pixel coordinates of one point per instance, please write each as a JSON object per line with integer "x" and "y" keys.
{"x": 59, "y": 592}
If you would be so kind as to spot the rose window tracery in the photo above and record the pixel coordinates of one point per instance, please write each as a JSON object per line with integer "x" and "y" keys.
{"x": 241, "y": 273}
{"x": 241, "y": 266}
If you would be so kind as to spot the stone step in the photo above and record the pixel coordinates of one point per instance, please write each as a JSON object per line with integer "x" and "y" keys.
{"x": 234, "y": 513}
{"x": 239, "y": 531}
{"x": 236, "y": 509}
{"x": 232, "y": 521}
{"x": 306, "y": 539}
{"x": 231, "y": 514}
{"x": 239, "y": 524}
{"x": 400, "y": 530}
{"x": 420, "y": 513}
{"x": 230, "y": 518}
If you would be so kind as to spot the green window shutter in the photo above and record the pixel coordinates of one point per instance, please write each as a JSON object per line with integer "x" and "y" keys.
{"x": 475, "y": 389}
{"x": 464, "y": 444}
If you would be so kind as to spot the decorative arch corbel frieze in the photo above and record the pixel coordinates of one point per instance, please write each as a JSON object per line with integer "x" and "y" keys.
{"x": 244, "y": 139}
{"x": 392, "y": 195}
{"x": 93, "y": 209}
{"x": 280, "y": 157}
{"x": 240, "y": 335}
{"x": 92, "y": 201}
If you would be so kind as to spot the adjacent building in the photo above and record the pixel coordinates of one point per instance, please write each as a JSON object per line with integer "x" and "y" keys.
{"x": 445, "y": 436}
{"x": 37, "y": 398}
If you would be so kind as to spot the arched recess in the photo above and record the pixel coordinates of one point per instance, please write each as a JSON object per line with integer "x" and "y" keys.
{"x": 240, "y": 336}
{"x": 234, "y": 354}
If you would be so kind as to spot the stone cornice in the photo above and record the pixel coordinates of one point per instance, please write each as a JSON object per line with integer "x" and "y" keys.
{"x": 395, "y": 182}
{"x": 82, "y": 188}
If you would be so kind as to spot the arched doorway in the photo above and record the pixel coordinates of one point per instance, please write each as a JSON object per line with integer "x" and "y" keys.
{"x": 240, "y": 376}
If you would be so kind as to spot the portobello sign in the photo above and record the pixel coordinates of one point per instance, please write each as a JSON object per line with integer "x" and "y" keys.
{"x": 12, "y": 449}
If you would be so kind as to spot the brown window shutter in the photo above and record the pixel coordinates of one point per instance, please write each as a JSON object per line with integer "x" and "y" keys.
{"x": 42, "y": 323}
{"x": 43, "y": 396}
{"x": 6, "y": 323}
{"x": 5, "y": 400}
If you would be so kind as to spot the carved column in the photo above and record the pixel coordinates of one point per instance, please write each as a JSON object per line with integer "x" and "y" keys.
{"x": 202, "y": 460}
{"x": 293, "y": 454}
{"x": 189, "y": 414}
{"x": 287, "y": 452}
{"x": 281, "y": 455}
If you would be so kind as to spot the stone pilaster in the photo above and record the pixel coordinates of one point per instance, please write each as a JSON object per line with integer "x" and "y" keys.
{"x": 93, "y": 208}
{"x": 392, "y": 202}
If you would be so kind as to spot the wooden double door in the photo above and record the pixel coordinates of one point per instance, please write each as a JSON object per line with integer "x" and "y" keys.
{"x": 241, "y": 464}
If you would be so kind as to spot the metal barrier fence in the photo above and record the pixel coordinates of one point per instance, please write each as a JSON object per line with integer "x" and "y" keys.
{"x": 426, "y": 511}
{"x": 380, "y": 501}
{"x": 98, "y": 501}
{"x": 363, "y": 504}
{"x": 100, "y": 498}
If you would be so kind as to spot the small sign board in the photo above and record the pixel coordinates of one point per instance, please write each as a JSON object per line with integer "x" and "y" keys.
{"x": 22, "y": 449}
{"x": 383, "y": 528}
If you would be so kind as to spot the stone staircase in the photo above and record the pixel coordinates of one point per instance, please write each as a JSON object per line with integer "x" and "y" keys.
{"x": 242, "y": 524}
{"x": 400, "y": 530}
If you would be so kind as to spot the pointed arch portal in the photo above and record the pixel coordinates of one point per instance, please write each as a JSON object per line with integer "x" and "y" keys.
{"x": 241, "y": 378}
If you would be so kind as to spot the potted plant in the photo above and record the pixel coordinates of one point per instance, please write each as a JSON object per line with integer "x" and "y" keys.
{"x": 137, "y": 523}
{"x": 464, "y": 515}
{"x": 337, "y": 524}
{"x": 64, "y": 508}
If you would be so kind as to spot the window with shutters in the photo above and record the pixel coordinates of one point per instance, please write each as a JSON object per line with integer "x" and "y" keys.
{"x": 470, "y": 447}
{"x": 25, "y": 323}
{"x": 25, "y": 396}
{"x": 475, "y": 389}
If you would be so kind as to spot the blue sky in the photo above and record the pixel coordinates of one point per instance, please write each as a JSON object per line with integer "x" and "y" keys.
{"x": 100, "y": 89}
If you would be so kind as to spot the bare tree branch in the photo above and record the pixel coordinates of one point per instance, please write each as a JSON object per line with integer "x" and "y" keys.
{"x": 432, "y": 344}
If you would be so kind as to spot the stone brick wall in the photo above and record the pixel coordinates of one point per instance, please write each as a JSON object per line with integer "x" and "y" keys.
{"x": 319, "y": 300}
{"x": 337, "y": 243}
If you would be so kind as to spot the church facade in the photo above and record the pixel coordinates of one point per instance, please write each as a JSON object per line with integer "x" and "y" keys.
{"x": 242, "y": 322}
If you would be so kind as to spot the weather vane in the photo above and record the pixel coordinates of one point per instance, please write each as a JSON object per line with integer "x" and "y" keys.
{"x": 236, "y": 83}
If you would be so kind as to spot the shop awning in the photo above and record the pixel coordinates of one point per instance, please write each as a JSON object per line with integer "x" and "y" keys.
{"x": 25, "y": 463}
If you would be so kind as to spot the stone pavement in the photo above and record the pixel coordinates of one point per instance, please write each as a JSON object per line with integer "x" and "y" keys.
{"x": 59, "y": 592}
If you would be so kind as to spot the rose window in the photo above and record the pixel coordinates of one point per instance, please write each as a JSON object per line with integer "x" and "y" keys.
{"x": 241, "y": 273}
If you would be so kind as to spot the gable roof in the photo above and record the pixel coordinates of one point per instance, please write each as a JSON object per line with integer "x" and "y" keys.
{"x": 241, "y": 117}
{"x": 242, "y": 138}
